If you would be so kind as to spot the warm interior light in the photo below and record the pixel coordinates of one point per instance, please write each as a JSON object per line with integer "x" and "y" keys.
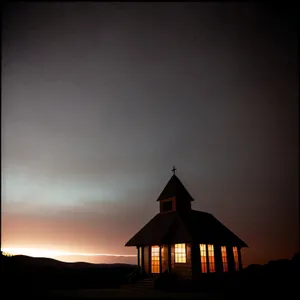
{"x": 236, "y": 258}
{"x": 211, "y": 258}
{"x": 180, "y": 253}
{"x": 203, "y": 258}
{"x": 224, "y": 259}
{"x": 155, "y": 259}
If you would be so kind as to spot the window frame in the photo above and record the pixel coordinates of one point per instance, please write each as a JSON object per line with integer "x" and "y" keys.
{"x": 236, "y": 258}
{"x": 169, "y": 203}
{"x": 207, "y": 261}
{"x": 155, "y": 263}
{"x": 203, "y": 258}
{"x": 211, "y": 262}
{"x": 180, "y": 257}
{"x": 224, "y": 259}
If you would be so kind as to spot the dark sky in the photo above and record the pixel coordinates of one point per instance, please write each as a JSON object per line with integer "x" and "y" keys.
{"x": 99, "y": 100}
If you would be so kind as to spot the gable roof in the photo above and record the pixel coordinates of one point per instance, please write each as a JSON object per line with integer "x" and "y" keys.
{"x": 193, "y": 226}
{"x": 175, "y": 188}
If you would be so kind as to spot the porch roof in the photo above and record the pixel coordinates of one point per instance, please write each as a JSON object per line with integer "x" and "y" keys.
{"x": 191, "y": 227}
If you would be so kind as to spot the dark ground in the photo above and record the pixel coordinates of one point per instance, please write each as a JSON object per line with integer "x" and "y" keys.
{"x": 35, "y": 275}
{"x": 32, "y": 277}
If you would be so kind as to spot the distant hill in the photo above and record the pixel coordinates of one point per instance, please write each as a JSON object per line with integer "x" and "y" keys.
{"x": 50, "y": 262}
{"x": 39, "y": 273}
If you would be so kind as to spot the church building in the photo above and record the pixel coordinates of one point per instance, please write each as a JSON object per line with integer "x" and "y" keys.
{"x": 185, "y": 241}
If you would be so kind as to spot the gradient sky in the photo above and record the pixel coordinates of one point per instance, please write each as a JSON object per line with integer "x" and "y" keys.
{"x": 99, "y": 100}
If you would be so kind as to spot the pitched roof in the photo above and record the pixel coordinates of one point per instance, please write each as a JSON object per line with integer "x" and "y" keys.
{"x": 193, "y": 226}
{"x": 175, "y": 188}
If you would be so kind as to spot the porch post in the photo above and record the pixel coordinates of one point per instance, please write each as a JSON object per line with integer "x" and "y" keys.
{"x": 149, "y": 260}
{"x": 218, "y": 258}
{"x": 143, "y": 255}
{"x": 240, "y": 258}
{"x": 160, "y": 260}
{"x": 169, "y": 258}
{"x": 138, "y": 256}
{"x": 230, "y": 258}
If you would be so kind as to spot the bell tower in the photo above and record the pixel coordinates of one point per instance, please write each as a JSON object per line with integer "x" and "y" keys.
{"x": 174, "y": 196}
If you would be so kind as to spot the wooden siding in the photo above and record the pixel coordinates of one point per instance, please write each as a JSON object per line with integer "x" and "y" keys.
{"x": 184, "y": 269}
{"x": 146, "y": 259}
{"x": 172, "y": 256}
{"x": 218, "y": 258}
{"x": 240, "y": 259}
{"x": 230, "y": 259}
{"x": 195, "y": 255}
{"x": 165, "y": 258}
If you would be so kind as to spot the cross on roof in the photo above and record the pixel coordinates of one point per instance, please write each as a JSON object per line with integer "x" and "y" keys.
{"x": 174, "y": 169}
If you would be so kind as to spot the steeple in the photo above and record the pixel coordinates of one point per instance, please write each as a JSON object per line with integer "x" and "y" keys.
{"x": 175, "y": 196}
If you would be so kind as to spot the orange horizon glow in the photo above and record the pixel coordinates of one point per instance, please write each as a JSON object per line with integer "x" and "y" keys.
{"x": 34, "y": 252}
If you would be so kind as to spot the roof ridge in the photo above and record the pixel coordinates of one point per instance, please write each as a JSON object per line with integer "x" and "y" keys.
{"x": 229, "y": 230}
{"x": 173, "y": 188}
{"x": 179, "y": 217}
{"x": 170, "y": 226}
{"x": 185, "y": 226}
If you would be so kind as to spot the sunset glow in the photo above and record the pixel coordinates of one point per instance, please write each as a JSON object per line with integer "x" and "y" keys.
{"x": 96, "y": 114}
{"x": 54, "y": 253}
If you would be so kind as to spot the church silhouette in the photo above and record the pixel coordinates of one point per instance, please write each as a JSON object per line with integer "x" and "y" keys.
{"x": 185, "y": 241}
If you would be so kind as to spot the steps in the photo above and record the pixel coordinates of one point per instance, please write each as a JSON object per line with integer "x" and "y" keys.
{"x": 144, "y": 284}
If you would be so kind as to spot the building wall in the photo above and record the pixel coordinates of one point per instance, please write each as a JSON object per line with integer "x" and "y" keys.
{"x": 192, "y": 267}
{"x": 196, "y": 262}
{"x": 172, "y": 256}
{"x": 146, "y": 259}
{"x": 230, "y": 258}
{"x": 164, "y": 258}
{"x": 182, "y": 269}
{"x": 218, "y": 258}
{"x": 195, "y": 255}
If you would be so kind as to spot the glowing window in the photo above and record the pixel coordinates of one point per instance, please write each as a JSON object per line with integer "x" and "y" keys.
{"x": 224, "y": 259}
{"x": 236, "y": 258}
{"x": 211, "y": 258}
{"x": 180, "y": 253}
{"x": 155, "y": 259}
{"x": 203, "y": 259}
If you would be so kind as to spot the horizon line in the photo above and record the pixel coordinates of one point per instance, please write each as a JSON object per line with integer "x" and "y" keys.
{"x": 35, "y": 252}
